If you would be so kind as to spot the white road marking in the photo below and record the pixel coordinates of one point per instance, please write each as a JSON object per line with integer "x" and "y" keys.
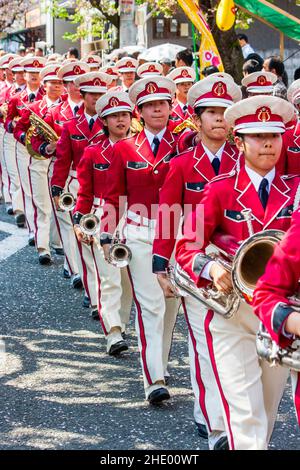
{"x": 17, "y": 240}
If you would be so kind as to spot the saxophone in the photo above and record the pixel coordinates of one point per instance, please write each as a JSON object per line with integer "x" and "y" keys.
{"x": 39, "y": 127}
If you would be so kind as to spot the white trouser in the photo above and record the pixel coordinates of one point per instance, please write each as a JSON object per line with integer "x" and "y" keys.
{"x": 156, "y": 316}
{"x": 249, "y": 388}
{"x": 9, "y": 153}
{"x": 4, "y": 174}
{"x": 207, "y": 400}
{"x": 64, "y": 227}
{"x": 85, "y": 259}
{"x": 23, "y": 159}
{"x": 43, "y": 218}
{"x": 115, "y": 292}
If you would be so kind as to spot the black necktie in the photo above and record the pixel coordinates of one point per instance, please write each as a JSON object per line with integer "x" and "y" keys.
{"x": 184, "y": 109}
{"x": 263, "y": 193}
{"x": 216, "y": 165}
{"x": 75, "y": 110}
{"x": 31, "y": 97}
{"x": 18, "y": 89}
{"x": 155, "y": 145}
{"x": 91, "y": 123}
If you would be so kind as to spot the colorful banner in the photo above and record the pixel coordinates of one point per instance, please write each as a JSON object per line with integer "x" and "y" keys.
{"x": 208, "y": 52}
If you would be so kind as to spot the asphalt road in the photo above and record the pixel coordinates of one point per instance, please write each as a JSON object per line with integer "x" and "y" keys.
{"x": 58, "y": 387}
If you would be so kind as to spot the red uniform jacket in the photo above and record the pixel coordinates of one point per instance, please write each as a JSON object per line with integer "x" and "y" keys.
{"x": 56, "y": 116}
{"x": 224, "y": 199}
{"x": 184, "y": 185}
{"x": 16, "y": 105}
{"x": 92, "y": 173}
{"x": 281, "y": 280}
{"x": 4, "y": 96}
{"x": 137, "y": 174}
{"x": 75, "y": 137}
{"x": 291, "y": 150}
{"x": 178, "y": 116}
{"x": 38, "y": 107}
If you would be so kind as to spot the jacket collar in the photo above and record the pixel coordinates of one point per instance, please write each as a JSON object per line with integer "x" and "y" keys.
{"x": 83, "y": 127}
{"x": 278, "y": 197}
{"x": 145, "y": 152}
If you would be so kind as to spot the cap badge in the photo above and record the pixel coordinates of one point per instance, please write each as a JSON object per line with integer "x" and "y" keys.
{"x": 97, "y": 82}
{"x": 152, "y": 68}
{"x": 261, "y": 80}
{"x": 36, "y": 64}
{"x": 263, "y": 114}
{"x": 129, "y": 64}
{"x": 113, "y": 102}
{"x": 110, "y": 71}
{"x": 77, "y": 70}
{"x": 91, "y": 60}
{"x": 151, "y": 88}
{"x": 185, "y": 73}
{"x": 219, "y": 89}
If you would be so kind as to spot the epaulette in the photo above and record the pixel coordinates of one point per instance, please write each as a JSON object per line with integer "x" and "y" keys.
{"x": 289, "y": 177}
{"x": 224, "y": 176}
{"x": 184, "y": 152}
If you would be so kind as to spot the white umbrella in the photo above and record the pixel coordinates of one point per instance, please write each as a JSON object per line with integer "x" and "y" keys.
{"x": 133, "y": 49}
{"x": 162, "y": 51}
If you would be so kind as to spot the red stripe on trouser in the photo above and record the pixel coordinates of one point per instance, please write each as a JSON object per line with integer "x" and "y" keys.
{"x": 297, "y": 398}
{"x": 85, "y": 282}
{"x": 99, "y": 293}
{"x": 142, "y": 331}
{"x": 209, "y": 340}
{"x": 33, "y": 205}
{"x": 200, "y": 383}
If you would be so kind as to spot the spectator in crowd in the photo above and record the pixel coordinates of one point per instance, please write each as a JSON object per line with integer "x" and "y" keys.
{"x": 39, "y": 52}
{"x": 246, "y": 48}
{"x": 166, "y": 65}
{"x": 251, "y": 66}
{"x": 29, "y": 50}
{"x": 2, "y": 52}
{"x": 209, "y": 70}
{"x": 184, "y": 58}
{"x": 297, "y": 74}
{"x": 256, "y": 57}
{"x": 73, "y": 53}
{"x": 274, "y": 64}
{"x": 22, "y": 51}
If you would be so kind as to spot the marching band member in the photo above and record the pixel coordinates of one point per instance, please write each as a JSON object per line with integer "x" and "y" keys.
{"x": 250, "y": 391}
{"x": 127, "y": 68}
{"x": 33, "y": 91}
{"x": 115, "y": 297}
{"x": 45, "y": 227}
{"x": 184, "y": 78}
{"x": 149, "y": 69}
{"x": 271, "y": 297}
{"x": 9, "y": 145}
{"x": 259, "y": 83}
{"x": 291, "y": 139}
{"x": 56, "y": 116}
{"x": 138, "y": 169}
{"x": 7, "y": 85}
{"x": 78, "y": 133}
{"x": 183, "y": 188}
{"x": 93, "y": 61}
{"x": 113, "y": 72}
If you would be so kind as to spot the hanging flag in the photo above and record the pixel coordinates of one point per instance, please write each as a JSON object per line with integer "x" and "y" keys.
{"x": 208, "y": 52}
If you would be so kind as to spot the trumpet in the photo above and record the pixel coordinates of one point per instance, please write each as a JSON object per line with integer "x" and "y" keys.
{"x": 245, "y": 261}
{"x": 66, "y": 202}
{"x": 89, "y": 224}
{"x": 119, "y": 254}
{"x": 270, "y": 351}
